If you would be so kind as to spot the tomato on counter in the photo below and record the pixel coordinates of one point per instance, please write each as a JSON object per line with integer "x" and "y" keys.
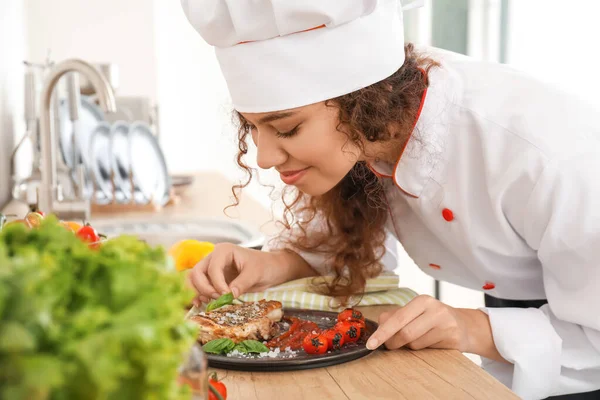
{"x": 216, "y": 389}
{"x": 89, "y": 235}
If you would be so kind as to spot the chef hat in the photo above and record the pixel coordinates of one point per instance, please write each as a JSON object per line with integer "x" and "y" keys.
{"x": 282, "y": 54}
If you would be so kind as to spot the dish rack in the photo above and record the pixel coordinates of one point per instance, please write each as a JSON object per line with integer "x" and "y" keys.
{"x": 77, "y": 180}
{"x": 117, "y": 207}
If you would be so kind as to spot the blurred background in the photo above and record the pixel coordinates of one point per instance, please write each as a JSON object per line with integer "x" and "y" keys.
{"x": 168, "y": 80}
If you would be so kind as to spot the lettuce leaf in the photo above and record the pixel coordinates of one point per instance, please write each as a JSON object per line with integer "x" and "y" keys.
{"x": 89, "y": 324}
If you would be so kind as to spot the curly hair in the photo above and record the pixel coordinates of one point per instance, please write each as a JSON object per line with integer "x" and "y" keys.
{"x": 352, "y": 215}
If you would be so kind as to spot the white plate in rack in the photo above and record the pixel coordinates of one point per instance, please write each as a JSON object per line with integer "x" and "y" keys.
{"x": 99, "y": 161}
{"x": 148, "y": 165}
{"x": 119, "y": 149}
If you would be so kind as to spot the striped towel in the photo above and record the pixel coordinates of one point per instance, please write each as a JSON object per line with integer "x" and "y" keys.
{"x": 381, "y": 290}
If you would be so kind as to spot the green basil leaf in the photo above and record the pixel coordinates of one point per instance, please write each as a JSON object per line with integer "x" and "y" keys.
{"x": 219, "y": 346}
{"x": 252, "y": 346}
{"x": 220, "y": 302}
{"x": 240, "y": 348}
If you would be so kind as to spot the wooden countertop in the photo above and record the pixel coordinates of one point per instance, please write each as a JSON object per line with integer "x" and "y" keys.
{"x": 398, "y": 374}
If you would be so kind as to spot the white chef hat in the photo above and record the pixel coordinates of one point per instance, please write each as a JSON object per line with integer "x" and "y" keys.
{"x": 282, "y": 54}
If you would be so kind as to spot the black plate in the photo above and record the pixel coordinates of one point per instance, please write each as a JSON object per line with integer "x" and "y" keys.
{"x": 301, "y": 360}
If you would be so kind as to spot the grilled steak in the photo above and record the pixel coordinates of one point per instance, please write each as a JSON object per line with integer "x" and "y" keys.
{"x": 239, "y": 322}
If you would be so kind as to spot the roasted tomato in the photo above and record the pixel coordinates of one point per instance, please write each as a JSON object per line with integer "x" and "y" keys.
{"x": 350, "y": 314}
{"x": 335, "y": 339}
{"x": 315, "y": 344}
{"x": 359, "y": 325}
{"x": 351, "y": 333}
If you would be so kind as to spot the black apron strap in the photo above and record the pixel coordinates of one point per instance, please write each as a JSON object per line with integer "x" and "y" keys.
{"x": 494, "y": 302}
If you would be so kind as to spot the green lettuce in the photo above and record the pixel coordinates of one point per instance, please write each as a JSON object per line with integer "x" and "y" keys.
{"x": 79, "y": 323}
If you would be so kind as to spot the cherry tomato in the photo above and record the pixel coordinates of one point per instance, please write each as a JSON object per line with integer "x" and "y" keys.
{"x": 89, "y": 235}
{"x": 315, "y": 344}
{"x": 350, "y": 314}
{"x": 335, "y": 339}
{"x": 360, "y": 326}
{"x": 351, "y": 333}
{"x": 217, "y": 386}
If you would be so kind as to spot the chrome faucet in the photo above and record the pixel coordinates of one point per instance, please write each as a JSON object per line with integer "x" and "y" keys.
{"x": 48, "y": 197}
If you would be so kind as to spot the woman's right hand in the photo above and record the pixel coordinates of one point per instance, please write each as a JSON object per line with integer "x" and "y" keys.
{"x": 231, "y": 268}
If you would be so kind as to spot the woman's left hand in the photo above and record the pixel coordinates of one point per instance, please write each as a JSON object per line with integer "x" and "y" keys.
{"x": 428, "y": 323}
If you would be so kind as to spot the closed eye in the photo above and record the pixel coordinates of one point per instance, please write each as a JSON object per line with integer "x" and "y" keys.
{"x": 289, "y": 133}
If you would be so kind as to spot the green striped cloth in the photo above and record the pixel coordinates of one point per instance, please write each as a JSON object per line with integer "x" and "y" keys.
{"x": 381, "y": 290}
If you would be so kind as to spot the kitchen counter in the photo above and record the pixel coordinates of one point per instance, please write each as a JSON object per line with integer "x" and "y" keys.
{"x": 398, "y": 374}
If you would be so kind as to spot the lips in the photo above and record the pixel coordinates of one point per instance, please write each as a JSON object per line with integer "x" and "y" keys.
{"x": 291, "y": 177}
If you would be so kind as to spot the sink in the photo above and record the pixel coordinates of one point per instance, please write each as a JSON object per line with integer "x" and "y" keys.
{"x": 167, "y": 232}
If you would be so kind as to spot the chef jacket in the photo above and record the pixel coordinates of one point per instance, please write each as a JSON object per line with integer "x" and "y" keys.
{"x": 498, "y": 190}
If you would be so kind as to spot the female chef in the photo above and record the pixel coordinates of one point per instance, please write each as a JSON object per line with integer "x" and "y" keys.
{"x": 488, "y": 178}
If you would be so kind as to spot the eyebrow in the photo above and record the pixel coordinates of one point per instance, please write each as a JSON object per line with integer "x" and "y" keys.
{"x": 275, "y": 116}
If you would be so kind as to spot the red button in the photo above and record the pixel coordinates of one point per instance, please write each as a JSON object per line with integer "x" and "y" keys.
{"x": 447, "y": 214}
{"x": 435, "y": 266}
{"x": 489, "y": 286}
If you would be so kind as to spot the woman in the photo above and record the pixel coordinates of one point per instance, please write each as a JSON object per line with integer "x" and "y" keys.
{"x": 486, "y": 176}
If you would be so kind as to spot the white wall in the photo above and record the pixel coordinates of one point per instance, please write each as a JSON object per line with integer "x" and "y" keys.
{"x": 558, "y": 41}
{"x": 195, "y": 107}
{"x": 11, "y": 86}
{"x": 192, "y": 94}
{"x": 119, "y": 31}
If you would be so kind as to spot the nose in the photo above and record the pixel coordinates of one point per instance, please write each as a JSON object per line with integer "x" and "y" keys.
{"x": 269, "y": 151}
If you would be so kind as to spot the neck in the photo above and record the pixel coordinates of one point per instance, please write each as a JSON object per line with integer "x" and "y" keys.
{"x": 388, "y": 151}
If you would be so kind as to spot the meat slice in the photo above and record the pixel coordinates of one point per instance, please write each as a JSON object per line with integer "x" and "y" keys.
{"x": 239, "y": 322}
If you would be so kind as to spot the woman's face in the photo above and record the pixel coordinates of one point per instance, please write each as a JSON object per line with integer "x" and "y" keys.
{"x": 304, "y": 146}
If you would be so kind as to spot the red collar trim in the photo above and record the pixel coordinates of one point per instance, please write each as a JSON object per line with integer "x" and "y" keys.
{"x": 393, "y": 176}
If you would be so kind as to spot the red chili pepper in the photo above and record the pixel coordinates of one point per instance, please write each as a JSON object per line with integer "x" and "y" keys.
{"x": 276, "y": 340}
{"x": 293, "y": 340}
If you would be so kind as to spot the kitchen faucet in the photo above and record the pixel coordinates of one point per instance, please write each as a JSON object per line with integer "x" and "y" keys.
{"x": 48, "y": 197}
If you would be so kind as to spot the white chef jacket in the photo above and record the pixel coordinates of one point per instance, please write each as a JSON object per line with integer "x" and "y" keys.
{"x": 498, "y": 189}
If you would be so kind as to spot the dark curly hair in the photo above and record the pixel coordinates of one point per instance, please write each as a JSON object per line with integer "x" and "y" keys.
{"x": 353, "y": 214}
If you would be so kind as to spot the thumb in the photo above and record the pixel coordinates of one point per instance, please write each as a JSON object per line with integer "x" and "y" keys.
{"x": 244, "y": 282}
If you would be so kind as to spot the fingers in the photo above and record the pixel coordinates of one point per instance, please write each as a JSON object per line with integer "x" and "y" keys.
{"x": 216, "y": 271}
{"x": 384, "y": 316}
{"x": 434, "y": 338}
{"x": 240, "y": 285}
{"x": 226, "y": 263}
{"x": 199, "y": 279}
{"x": 400, "y": 318}
{"x": 199, "y": 300}
{"x": 413, "y": 331}
{"x": 396, "y": 322}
